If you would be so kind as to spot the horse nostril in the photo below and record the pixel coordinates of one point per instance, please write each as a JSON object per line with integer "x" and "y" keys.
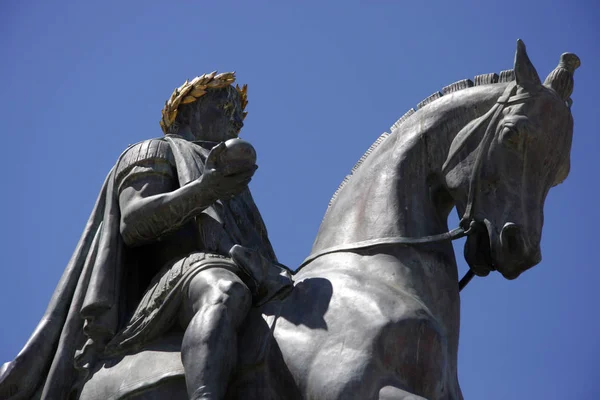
{"x": 510, "y": 238}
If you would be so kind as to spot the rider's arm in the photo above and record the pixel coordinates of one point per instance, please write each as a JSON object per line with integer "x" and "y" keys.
{"x": 151, "y": 202}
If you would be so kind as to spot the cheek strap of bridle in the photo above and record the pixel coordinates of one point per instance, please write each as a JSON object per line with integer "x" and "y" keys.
{"x": 484, "y": 146}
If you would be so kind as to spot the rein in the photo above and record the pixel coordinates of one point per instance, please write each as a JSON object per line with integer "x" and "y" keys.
{"x": 467, "y": 224}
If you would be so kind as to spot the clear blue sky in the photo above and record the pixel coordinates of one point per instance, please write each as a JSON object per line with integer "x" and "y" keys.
{"x": 81, "y": 80}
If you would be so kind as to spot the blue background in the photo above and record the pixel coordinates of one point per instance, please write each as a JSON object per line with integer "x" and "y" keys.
{"x": 82, "y": 80}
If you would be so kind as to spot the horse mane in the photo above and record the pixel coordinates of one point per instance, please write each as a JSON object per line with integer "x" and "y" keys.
{"x": 485, "y": 79}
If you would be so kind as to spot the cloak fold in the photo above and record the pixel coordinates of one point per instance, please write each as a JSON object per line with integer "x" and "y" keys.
{"x": 83, "y": 307}
{"x": 46, "y": 360}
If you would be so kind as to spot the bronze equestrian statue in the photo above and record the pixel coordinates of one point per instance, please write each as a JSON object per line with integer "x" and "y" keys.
{"x": 174, "y": 290}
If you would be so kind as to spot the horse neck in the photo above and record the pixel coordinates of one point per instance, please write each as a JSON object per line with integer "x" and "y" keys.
{"x": 394, "y": 192}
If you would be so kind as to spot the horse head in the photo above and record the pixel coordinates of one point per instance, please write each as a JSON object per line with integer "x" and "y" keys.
{"x": 501, "y": 166}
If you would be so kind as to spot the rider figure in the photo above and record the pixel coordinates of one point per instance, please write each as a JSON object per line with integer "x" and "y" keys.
{"x": 168, "y": 219}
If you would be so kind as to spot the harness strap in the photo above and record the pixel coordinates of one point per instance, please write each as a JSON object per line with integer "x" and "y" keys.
{"x": 366, "y": 244}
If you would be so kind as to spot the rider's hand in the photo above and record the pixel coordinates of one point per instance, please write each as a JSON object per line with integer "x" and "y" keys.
{"x": 223, "y": 186}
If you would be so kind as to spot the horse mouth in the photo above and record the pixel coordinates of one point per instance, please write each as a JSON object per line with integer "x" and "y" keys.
{"x": 507, "y": 253}
{"x": 478, "y": 251}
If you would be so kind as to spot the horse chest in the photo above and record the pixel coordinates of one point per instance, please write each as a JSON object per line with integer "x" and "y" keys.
{"x": 372, "y": 325}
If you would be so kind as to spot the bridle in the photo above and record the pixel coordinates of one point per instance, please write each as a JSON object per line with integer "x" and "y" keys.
{"x": 467, "y": 224}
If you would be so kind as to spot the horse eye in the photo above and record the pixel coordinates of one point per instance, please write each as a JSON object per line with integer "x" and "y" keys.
{"x": 511, "y": 138}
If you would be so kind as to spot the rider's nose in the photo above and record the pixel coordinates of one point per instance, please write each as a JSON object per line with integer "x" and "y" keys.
{"x": 238, "y": 123}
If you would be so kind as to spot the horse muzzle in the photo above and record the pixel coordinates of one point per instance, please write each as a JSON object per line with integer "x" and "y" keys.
{"x": 507, "y": 251}
{"x": 513, "y": 252}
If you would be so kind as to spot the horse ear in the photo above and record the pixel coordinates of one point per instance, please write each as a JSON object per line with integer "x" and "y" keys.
{"x": 525, "y": 73}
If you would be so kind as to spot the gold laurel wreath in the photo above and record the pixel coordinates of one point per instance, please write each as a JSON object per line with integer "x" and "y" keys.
{"x": 192, "y": 91}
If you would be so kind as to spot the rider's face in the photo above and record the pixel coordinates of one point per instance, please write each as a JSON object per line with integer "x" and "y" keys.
{"x": 217, "y": 116}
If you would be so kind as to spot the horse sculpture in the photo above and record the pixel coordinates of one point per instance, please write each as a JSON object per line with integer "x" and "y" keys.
{"x": 374, "y": 313}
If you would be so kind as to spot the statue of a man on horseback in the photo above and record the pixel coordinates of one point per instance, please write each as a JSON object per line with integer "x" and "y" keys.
{"x": 175, "y": 242}
{"x": 175, "y": 257}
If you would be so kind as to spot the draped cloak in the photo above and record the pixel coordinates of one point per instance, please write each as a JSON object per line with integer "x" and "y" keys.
{"x": 86, "y": 304}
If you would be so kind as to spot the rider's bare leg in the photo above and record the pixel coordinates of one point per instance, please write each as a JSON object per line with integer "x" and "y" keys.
{"x": 215, "y": 305}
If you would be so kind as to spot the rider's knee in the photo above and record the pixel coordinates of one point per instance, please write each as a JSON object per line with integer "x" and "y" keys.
{"x": 218, "y": 288}
{"x": 232, "y": 293}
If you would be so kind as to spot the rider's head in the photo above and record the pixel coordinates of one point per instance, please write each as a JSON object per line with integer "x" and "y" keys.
{"x": 207, "y": 108}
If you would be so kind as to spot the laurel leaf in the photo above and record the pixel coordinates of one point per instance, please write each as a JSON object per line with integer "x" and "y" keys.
{"x": 197, "y": 92}
{"x": 186, "y": 90}
{"x": 188, "y": 100}
{"x": 228, "y": 76}
{"x": 182, "y": 86}
{"x": 175, "y": 103}
{"x": 214, "y": 84}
